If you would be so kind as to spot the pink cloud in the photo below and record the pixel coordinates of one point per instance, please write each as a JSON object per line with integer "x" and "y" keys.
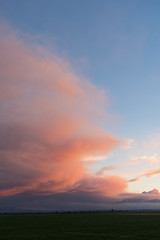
{"x": 50, "y": 121}
{"x": 152, "y": 173}
{"x": 148, "y": 173}
{"x": 106, "y": 185}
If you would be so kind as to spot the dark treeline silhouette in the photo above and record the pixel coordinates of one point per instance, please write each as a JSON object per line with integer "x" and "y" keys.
{"x": 78, "y": 211}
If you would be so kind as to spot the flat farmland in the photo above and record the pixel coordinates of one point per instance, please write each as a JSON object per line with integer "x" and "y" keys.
{"x": 95, "y": 226}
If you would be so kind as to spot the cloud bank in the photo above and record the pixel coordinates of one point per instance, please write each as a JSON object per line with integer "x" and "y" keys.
{"x": 49, "y": 123}
{"x": 79, "y": 200}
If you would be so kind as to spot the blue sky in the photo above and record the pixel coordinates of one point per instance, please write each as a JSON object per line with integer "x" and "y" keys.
{"x": 114, "y": 44}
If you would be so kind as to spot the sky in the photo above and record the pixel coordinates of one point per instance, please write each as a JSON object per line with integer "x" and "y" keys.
{"x": 79, "y": 97}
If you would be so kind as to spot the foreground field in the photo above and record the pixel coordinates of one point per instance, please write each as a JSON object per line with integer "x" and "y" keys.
{"x": 96, "y": 226}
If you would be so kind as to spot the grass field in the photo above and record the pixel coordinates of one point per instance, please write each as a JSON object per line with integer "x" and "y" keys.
{"x": 95, "y": 226}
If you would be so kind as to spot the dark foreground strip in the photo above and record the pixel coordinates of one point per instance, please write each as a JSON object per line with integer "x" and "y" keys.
{"x": 95, "y": 234}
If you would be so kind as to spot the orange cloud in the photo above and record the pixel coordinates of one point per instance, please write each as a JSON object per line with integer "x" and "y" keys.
{"x": 50, "y": 120}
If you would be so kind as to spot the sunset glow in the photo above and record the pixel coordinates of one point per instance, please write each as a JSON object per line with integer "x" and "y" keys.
{"x": 79, "y": 116}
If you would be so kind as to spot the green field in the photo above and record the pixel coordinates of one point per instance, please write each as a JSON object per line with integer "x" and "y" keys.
{"x": 94, "y": 226}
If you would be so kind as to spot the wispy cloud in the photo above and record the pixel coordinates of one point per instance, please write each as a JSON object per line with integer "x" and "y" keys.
{"x": 127, "y": 144}
{"x": 102, "y": 171}
{"x": 49, "y": 122}
{"x": 152, "y": 173}
{"x": 136, "y": 179}
{"x": 151, "y": 159}
{"x": 148, "y": 173}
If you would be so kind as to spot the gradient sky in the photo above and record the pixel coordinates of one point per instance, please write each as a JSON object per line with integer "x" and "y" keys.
{"x": 79, "y": 104}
